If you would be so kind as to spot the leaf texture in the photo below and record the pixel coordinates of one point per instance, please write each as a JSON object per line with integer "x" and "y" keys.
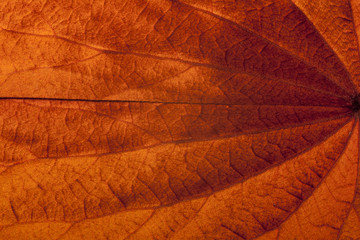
{"x": 186, "y": 119}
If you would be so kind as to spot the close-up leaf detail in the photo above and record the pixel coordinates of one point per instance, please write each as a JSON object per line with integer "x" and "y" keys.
{"x": 190, "y": 119}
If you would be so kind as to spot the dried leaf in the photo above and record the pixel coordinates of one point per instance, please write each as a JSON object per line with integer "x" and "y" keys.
{"x": 179, "y": 119}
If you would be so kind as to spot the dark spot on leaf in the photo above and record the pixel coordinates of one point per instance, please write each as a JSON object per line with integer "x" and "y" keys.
{"x": 355, "y": 105}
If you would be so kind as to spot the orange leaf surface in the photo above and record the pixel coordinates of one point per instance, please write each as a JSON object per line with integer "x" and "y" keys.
{"x": 191, "y": 119}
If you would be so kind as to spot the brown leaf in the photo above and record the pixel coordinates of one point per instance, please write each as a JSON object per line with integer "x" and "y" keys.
{"x": 179, "y": 119}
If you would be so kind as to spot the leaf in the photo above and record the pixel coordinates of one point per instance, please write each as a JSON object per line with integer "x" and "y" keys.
{"x": 179, "y": 119}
